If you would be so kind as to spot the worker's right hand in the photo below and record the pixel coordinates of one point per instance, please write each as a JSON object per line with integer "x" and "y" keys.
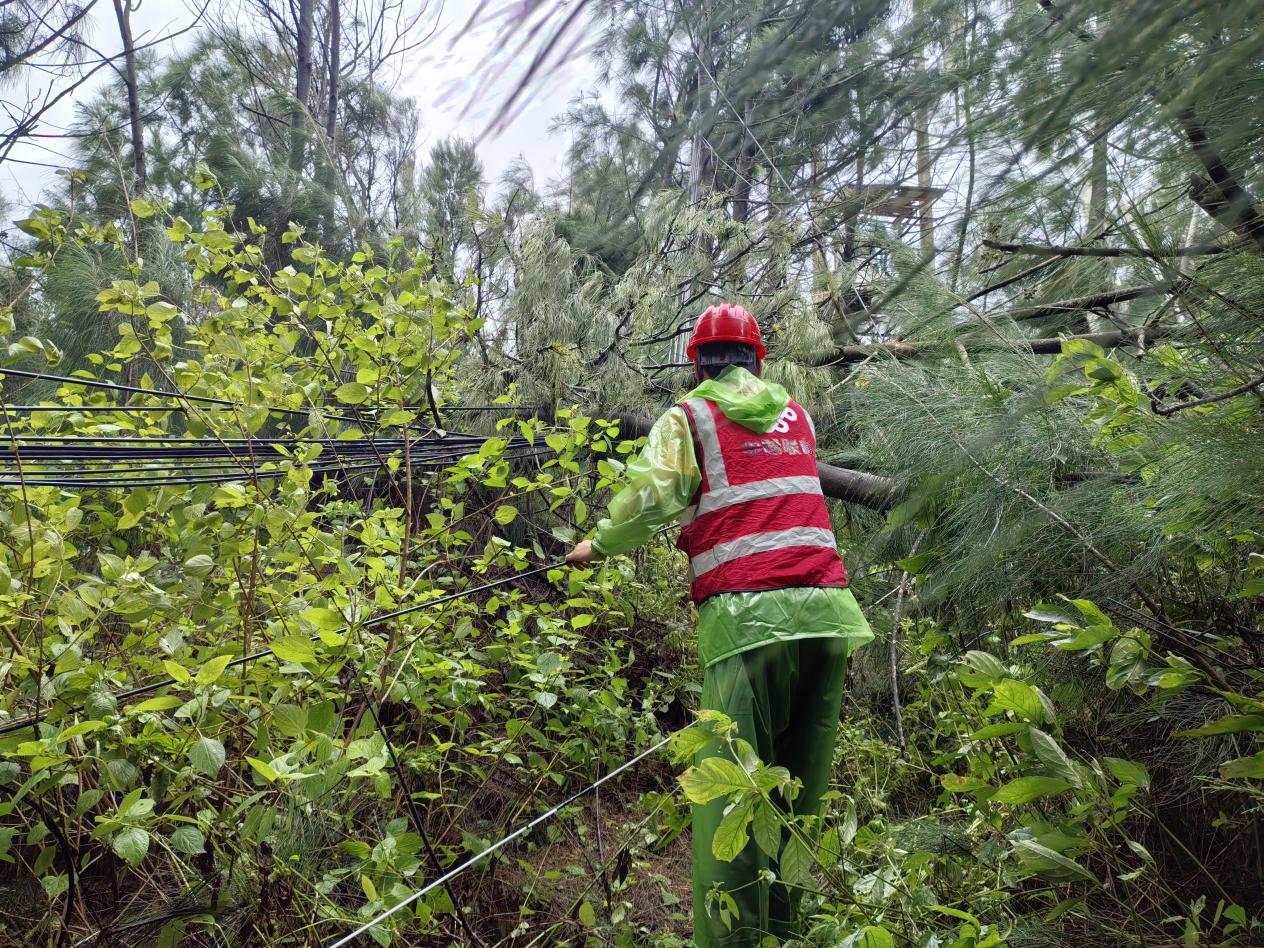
{"x": 583, "y": 553}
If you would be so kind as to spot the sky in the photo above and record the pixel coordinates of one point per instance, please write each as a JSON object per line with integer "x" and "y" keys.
{"x": 443, "y": 76}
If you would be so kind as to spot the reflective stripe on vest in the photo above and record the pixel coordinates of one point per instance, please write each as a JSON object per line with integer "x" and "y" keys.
{"x": 758, "y": 520}
{"x": 754, "y": 543}
{"x": 756, "y": 490}
{"x": 712, "y": 456}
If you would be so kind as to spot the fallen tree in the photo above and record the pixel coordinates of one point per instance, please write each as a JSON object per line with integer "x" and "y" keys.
{"x": 844, "y": 355}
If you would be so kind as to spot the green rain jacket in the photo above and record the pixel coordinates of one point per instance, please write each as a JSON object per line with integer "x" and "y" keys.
{"x": 661, "y": 482}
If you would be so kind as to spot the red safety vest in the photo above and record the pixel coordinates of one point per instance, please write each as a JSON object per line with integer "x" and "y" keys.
{"x": 758, "y": 521}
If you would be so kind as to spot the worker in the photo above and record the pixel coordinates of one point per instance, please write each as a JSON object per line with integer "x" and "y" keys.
{"x": 735, "y": 463}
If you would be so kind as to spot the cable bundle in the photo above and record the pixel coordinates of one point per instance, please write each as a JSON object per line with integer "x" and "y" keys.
{"x": 85, "y": 460}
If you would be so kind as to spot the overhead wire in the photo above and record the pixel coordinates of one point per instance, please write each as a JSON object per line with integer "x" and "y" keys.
{"x": 504, "y": 841}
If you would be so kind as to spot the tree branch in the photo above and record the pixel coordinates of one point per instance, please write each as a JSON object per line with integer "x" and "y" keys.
{"x": 845, "y": 355}
{"x": 1039, "y": 250}
{"x": 1223, "y": 197}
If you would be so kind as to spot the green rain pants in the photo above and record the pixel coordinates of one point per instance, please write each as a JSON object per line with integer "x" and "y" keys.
{"x": 785, "y": 699}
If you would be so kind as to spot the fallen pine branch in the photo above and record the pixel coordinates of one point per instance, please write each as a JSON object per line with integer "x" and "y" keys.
{"x": 844, "y": 355}
{"x": 1041, "y": 250}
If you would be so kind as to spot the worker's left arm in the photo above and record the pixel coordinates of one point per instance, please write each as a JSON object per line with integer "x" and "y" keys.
{"x": 661, "y": 482}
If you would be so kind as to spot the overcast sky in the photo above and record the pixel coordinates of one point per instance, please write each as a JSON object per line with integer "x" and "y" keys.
{"x": 443, "y": 76}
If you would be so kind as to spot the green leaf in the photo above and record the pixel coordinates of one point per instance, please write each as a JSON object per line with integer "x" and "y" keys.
{"x": 323, "y": 619}
{"x": 1249, "y": 767}
{"x": 352, "y": 393}
{"x": 188, "y": 840}
{"x": 206, "y": 754}
{"x": 264, "y": 770}
{"x": 766, "y": 829}
{"x": 199, "y": 566}
{"x": 178, "y": 672}
{"x": 1018, "y": 697}
{"x": 56, "y": 885}
{"x": 795, "y": 865}
{"x": 1050, "y": 753}
{"x": 131, "y": 844}
{"x": 1050, "y": 865}
{"x": 293, "y": 648}
{"x": 505, "y": 514}
{"x": 986, "y": 663}
{"x": 1026, "y": 789}
{"x": 135, "y": 506}
{"x": 714, "y": 777}
{"x": 688, "y": 741}
{"x": 587, "y": 917}
{"x": 877, "y": 937}
{"x": 1127, "y": 771}
{"x": 1001, "y": 729}
{"x": 209, "y": 673}
{"x": 161, "y": 703}
{"x": 954, "y": 783}
{"x": 730, "y": 836}
{"x": 1232, "y": 724}
{"x": 78, "y": 730}
{"x": 142, "y": 208}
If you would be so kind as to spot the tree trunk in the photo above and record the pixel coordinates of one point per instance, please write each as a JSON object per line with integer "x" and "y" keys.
{"x": 302, "y": 85}
{"x": 923, "y": 181}
{"x": 1097, "y": 195}
{"x": 123, "y": 10}
{"x": 849, "y": 229}
{"x": 335, "y": 64}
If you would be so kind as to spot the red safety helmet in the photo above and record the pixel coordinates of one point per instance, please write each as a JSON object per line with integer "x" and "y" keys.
{"x": 725, "y": 322}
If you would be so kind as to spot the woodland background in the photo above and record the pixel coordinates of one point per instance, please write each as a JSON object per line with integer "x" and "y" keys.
{"x": 1010, "y": 253}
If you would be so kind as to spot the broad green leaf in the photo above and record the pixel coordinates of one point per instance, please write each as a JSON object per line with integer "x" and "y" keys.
{"x": 1002, "y": 729}
{"x": 142, "y": 208}
{"x": 1232, "y": 724}
{"x": 955, "y": 783}
{"x": 206, "y": 754}
{"x": 714, "y": 777}
{"x": 766, "y": 828}
{"x": 688, "y": 741}
{"x": 730, "y": 836}
{"x": 352, "y": 393}
{"x": 209, "y": 673}
{"x": 131, "y": 844}
{"x": 161, "y": 703}
{"x": 877, "y": 937}
{"x": 587, "y": 916}
{"x": 1050, "y": 865}
{"x": 986, "y": 663}
{"x": 795, "y": 865}
{"x": 293, "y": 648}
{"x": 1027, "y": 789}
{"x": 176, "y": 671}
{"x": 1127, "y": 771}
{"x": 1018, "y": 697}
{"x": 1249, "y": 767}
{"x": 323, "y": 619}
{"x": 135, "y": 506}
{"x": 188, "y": 840}
{"x": 290, "y": 720}
{"x": 505, "y": 514}
{"x": 78, "y": 730}
{"x": 199, "y": 566}
{"x": 264, "y": 770}
{"x": 1050, "y": 753}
